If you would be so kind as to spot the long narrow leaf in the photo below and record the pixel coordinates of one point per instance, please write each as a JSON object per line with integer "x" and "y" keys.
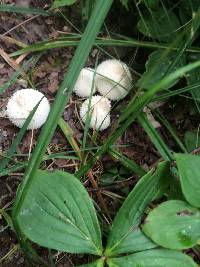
{"x": 65, "y": 42}
{"x": 23, "y": 10}
{"x": 155, "y": 137}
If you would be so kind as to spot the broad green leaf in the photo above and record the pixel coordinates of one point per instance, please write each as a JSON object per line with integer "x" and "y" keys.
{"x": 173, "y": 224}
{"x": 98, "y": 263}
{"x": 60, "y": 3}
{"x": 192, "y": 140}
{"x": 188, "y": 168}
{"x": 156, "y": 68}
{"x": 135, "y": 241}
{"x": 125, "y": 235}
{"x": 57, "y": 213}
{"x": 153, "y": 258}
{"x": 161, "y": 25}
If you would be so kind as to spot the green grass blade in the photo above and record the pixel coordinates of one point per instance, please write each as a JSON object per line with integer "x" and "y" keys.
{"x": 126, "y": 162}
{"x": 155, "y": 137}
{"x": 15, "y": 168}
{"x": 65, "y": 42}
{"x": 23, "y": 10}
{"x": 21, "y": 166}
{"x": 177, "y": 92}
{"x": 67, "y": 131}
{"x": 100, "y": 11}
{"x": 171, "y": 130}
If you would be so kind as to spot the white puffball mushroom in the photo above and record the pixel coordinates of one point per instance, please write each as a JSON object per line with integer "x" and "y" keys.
{"x": 99, "y": 112}
{"x": 113, "y": 79}
{"x": 22, "y": 103}
{"x": 85, "y": 83}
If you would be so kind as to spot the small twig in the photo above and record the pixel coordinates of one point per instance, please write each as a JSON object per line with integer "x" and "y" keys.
{"x": 99, "y": 195}
{"x": 31, "y": 144}
{"x": 21, "y": 58}
{"x": 10, "y": 61}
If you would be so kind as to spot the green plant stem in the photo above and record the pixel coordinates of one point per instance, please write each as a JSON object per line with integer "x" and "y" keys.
{"x": 155, "y": 137}
{"x": 68, "y": 132}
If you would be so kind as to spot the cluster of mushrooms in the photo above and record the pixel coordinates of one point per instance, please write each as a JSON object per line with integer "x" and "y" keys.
{"x": 112, "y": 79}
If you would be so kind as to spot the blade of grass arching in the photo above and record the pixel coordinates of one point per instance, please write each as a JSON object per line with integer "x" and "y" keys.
{"x": 155, "y": 137}
{"x": 134, "y": 104}
{"x": 24, "y": 10}
{"x": 126, "y": 162}
{"x": 176, "y": 92}
{"x": 171, "y": 130}
{"x": 4, "y": 162}
{"x": 65, "y": 42}
{"x": 133, "y": 110}
{"x": 68, "y": 132}
{"x": 99, "y": 13}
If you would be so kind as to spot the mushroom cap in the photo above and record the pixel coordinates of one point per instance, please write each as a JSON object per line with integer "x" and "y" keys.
{"x": 113, "y": 79}
{"x": 85, "y": 83}
{"x": 99, "y": 112}
{"x": 22, "y": 103}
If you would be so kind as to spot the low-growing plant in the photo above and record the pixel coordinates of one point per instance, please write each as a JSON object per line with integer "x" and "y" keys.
{"x": 57, "y": 213}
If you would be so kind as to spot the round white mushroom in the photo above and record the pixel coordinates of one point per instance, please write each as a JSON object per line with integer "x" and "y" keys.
{"x": 22, "y": 103}
{"x": 98, "y": 110}
{"x": 84, "y": 86}
{"x": 113, "y": 79}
